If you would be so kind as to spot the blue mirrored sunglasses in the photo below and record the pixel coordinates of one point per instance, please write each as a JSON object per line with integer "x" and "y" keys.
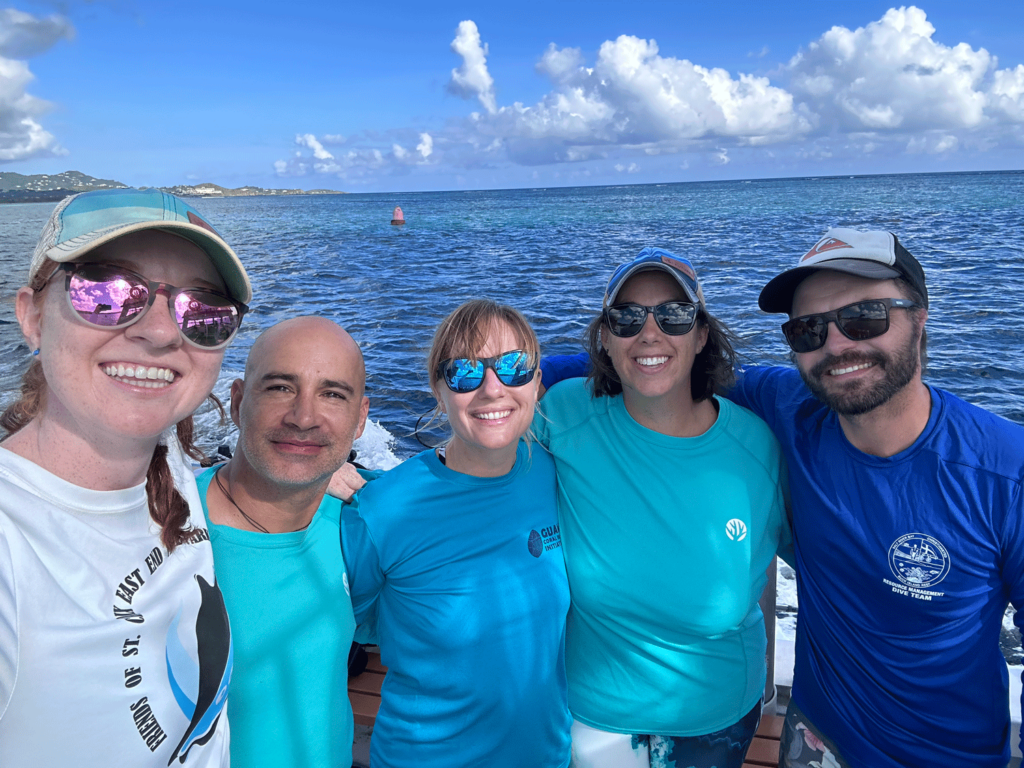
{"x": 462, "y": 374}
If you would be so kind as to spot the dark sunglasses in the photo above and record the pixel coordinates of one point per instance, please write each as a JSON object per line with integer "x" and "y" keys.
{"x": 858, "y": 321}
{"x": 673, "y": 317}
{"x": 110, "y": 296}
{"x": 461, "y": 374}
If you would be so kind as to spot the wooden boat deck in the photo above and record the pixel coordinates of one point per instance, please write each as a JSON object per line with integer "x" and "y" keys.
{"x": 364, "y": 691}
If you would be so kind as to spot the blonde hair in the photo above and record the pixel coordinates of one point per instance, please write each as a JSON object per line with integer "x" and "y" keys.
{"x": 464, "y": 333}
{"x": 167, "y": 506}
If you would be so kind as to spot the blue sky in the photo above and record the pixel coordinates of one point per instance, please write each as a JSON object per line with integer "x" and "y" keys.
{"x": 450, "y": 95}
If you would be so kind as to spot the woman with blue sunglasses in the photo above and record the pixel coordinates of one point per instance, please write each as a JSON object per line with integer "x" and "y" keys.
{"x": 110, "y": 615}
{"x": 457, "y": 571}
{"x": 671, "y": 509}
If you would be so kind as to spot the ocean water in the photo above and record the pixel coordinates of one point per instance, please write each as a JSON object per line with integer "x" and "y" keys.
{"x": 549, "y": 252}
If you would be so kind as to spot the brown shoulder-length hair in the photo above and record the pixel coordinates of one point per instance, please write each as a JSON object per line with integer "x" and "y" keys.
{"x": 167, "y": 506}
{"x": 712, "y": 371}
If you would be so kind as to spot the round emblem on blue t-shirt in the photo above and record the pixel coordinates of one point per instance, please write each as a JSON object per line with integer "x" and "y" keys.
{"x": 918, "y": 560}
{"x": 535, "y": 544}
{"x": 736, "y": 529}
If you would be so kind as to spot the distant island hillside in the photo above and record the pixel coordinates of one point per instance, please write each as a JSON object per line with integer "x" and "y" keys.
{"x": 44, "y": 188}
{"x": 212, "y": 190}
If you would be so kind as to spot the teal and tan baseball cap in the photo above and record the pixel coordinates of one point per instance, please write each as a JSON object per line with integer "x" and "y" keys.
{"x": 87, "y": 220}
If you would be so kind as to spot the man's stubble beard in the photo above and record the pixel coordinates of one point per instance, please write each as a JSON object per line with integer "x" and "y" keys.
{"x": 900, "y": 370}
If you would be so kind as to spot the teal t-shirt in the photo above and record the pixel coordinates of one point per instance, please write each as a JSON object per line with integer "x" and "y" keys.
{"x": 288, "y": 602}
{"x": 667, "y": 542}
{"x": 464, "y": 579}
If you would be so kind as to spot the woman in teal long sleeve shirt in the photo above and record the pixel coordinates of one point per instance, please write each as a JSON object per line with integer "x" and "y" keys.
{"x": 671, "y": 509}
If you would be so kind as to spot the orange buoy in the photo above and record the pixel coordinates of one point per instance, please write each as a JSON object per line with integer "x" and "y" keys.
{"x": 398, "y": 217}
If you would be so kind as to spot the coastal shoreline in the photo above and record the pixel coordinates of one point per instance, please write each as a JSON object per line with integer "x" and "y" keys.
{"x": 44, "y": 188}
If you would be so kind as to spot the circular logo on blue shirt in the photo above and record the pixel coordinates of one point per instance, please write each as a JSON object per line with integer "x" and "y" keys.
{"x": 736, "y": 529}
{"x": 918, "y": 560}
{"x": 535, "y": 544}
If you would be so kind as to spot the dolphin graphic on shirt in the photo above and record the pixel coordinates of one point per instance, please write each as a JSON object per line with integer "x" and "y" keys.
{"x": 208, "y": 680}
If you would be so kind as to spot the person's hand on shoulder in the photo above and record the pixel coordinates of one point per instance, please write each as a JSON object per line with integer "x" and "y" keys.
{"x": 345, "y": 482}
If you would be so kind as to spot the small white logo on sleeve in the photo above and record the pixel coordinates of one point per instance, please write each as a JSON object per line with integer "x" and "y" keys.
{"x": 736, "y": 530}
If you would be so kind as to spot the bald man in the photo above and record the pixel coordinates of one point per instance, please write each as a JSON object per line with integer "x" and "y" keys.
{"x": 276, "y": 545}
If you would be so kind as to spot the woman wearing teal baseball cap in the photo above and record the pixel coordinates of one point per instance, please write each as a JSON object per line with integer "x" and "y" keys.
{"x": 114, "y": 641}
{"x": 671, "y": 509}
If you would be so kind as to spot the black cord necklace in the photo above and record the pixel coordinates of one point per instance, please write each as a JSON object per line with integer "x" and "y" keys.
{"x": 253, "y": 523}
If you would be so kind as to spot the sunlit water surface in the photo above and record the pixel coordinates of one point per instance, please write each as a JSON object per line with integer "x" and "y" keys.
{"x": 549, "y": 252}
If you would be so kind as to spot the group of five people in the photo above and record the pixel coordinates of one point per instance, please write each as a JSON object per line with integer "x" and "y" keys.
{"x": 575, "y": 582}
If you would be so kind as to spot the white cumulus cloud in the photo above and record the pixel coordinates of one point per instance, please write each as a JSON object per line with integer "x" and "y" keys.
{"x": 23, "y": 36}
{"x": 932, "y": 143}
{"x": 633, "y": 96}
{"x": 472, "y": 78}
{"x": 366, "y": 157}
{"x": 426, "y": 145}
{"x": 883, "y": 89}
{"x": 310, "y": 141}
{"x": 892, "y": 76}
{"x": 420, "y": 156}
{"x": 1007, "y": 93}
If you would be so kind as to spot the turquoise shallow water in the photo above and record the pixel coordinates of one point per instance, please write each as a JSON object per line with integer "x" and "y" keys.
{"x": 550, "y": 251}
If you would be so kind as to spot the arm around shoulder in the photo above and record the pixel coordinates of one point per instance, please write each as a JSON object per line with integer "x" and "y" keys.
{"x": 769, "y": 391}
{"x": 349, "y": 479}
{"x": 556, "y": 368}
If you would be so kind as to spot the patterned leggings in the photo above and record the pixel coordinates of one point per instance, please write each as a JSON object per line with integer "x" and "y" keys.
{"x": 726, "y": 748}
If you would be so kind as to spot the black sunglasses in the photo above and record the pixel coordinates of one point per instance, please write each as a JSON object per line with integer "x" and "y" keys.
{"x": 858, "y": 321}
{"x": 673, "y": 317}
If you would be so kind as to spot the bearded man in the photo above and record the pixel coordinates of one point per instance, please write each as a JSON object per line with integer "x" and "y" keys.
{"x": 908, "y": 521}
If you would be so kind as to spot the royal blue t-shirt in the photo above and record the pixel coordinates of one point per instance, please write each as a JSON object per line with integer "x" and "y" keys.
{"x": 463, "y": 580}
{"x": 904, "y": 566}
